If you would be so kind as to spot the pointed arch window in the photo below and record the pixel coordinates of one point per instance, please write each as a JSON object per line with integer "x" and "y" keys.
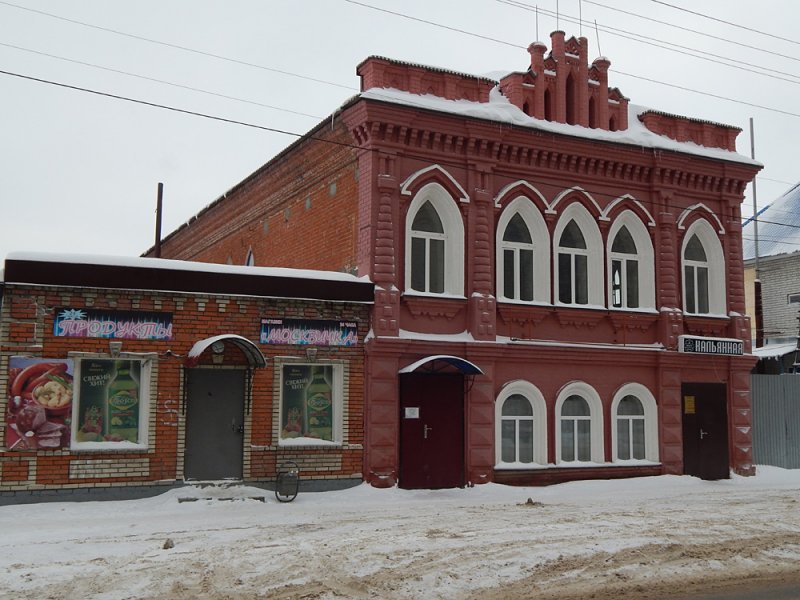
{"x": 518, "y": 251}
{"x": 695, "y": 277}
{"x": 624, "y": 271}
{"x": 573, "y": 270}
{"x": 427, "y": 250}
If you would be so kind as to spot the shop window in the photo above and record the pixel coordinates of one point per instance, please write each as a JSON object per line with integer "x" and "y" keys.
{"x": 111, "y": 403}
{"x": 580, "y": 427}
{"x": 703, "y": 271}
{"x": 630, "y": 264}
{"x": 578, "y": 249}
{"x": 522, "y": 254}
{"x": 635, "y": 427}
{"x": 310, "y": 408}
{"x": 521, "y": 426}
{"x": 434, "y": 244}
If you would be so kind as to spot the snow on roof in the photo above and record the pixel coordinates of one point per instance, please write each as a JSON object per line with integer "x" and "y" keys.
{"x": 775, "y": 350}
{"x": 500, "y": 109}
{"x": 778, "y": 227}
{"x": 182, "y": 265}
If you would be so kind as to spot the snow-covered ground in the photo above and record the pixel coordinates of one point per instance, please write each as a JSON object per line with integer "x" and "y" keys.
{"x": 611, "y": 539}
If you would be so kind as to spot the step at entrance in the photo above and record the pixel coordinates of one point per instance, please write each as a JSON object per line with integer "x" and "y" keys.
{"x": 226, "y": 490}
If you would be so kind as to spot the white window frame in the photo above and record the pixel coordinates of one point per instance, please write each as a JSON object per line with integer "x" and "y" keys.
{"x": 337, "y": 398}
{"x": 588, "y": 393}
{"x": 650, "y": 407}
{"x": 453, "y": 225}
{"x": 644, "y": 256}
{"x": 536, "y": 400}
{"x": 146, "y": 382}
{"x": 594, "y": 252}
{"x": 541, "y": 251}
{"x": 715, "y": 261}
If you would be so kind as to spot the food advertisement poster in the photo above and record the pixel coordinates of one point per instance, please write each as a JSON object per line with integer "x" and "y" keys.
{"x": 39, "y": 403}
{"x": 313, "y": 332}
{"x": 307, "y": 409}
{"x": 112, "y": 324}
{"x": 108, "y": 401}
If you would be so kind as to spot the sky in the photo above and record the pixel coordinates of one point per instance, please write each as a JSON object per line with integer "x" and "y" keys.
{"x": 626, "y": 538}
{"x": 79, "y": 171}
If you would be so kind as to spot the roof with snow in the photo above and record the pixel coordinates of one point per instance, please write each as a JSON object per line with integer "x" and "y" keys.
{"x": 123, "y": 272}
{"x": 778, "y": 227}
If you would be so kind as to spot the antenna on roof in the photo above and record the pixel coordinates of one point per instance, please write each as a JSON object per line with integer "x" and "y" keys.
{"x": 557, "y": 16}
{"x": 580, "y": 18}
{"x": 537, "y": 23}
{"x": 597, "y": 35}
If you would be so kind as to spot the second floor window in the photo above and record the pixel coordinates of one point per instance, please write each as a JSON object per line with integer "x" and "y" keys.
{"x": 573, "y": 271}
{"x": 695, "y": 277}
{"x": 624, "y": 271}
{"x": 427, "y": 251}
{"x": 517, "y": 249}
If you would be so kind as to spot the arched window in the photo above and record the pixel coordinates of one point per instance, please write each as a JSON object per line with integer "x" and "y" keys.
{"x": 630, "y": 264}
{"x": 703, "y": 271}
{"x": 579, "y": 430}
{"x": 523, "y": 266}
{"x": 578, "y": 248}
{"x": 521, "y": 426}
{"x": 434, "y": 243}
{"x": 573, "y": 266}
{"x": 635, "y": 427}
{"x": 250, "y": 259}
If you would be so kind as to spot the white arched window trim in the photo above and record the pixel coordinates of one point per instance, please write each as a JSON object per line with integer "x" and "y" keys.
{"x": 447, "y": 209}
{"x": 716, "y": 267}
{"x": 588, "y": 393}
{"x": 541, "y": 249}
{"x": 536, "y": 399}
{"x": 594, "y": 244}
{"x": 650, "y": 419}
{"x": 645, "y": 255}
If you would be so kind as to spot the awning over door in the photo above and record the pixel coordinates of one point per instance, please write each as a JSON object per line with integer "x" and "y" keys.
{"x": 439, "y": 362}
{"x": 250, "y": 350}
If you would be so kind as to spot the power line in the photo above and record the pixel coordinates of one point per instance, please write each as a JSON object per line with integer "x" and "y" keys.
{"x": 153, "y": 79}
{"x": 177, "y": 46}
{"x": 732, "y": 24}
{"x": 696, "y": 31}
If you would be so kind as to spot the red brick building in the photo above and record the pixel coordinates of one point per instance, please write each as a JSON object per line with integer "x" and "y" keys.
{"x": 128, "y": 376}
{"x": 558, "y": 273}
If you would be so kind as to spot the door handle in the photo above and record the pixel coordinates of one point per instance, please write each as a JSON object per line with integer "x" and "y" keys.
{"x": 703, "y": 434}
{"x": 235, "y": 428}
{"x": 425, "y": 431}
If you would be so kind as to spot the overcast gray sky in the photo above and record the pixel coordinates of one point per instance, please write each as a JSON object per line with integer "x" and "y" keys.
{"x": 79, "y": 171}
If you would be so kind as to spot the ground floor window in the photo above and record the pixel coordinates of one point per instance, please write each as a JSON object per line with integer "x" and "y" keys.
{"x": 111, "y": 402}
{"x": 579, "y": 424}
{"x": 635, "y": 424}
{"x": 310, "y": 403}
{"x": 521, "y": 426}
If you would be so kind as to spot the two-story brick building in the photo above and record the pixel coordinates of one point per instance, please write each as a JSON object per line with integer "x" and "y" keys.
{"x": 558, "y": 272}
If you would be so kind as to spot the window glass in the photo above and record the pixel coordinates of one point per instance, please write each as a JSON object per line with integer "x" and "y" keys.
{"x": 418, "y": 266}
{"x": 572, "y": 237}
{"x": 702, "y": 290}
{"x": 509, "y": 440}
{"x": 309, "y": 404}
{"x": 623, "y": 439}
{"x": 630, "y": 405}
{"x": 526, "y": 440}
{"x": 517, "y": 231}
{"x": 565, "y": 278}
{"x": 694, "y": 250}
{"x": 575, "y": 406}
{"x": 567, "y": 440}
{"x": 688, "y": 277}
{"x": 526, "y": 275}
{"x": 581, "y": 279}
{"x": 517, "y": 405}
{"x": 632, "y": 283}
{"x": 637, "y": 445}
{"x": 584, "y": 439}
{"x": 427, "y": 219}
{"x": 110, "y": 406}
{"x": 508, "y": 273}
{"x": 616, "y": 283}
{"x": 623, "y": 242}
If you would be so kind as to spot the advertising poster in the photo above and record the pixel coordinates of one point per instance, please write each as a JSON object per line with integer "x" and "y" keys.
{"x": 39, "y": 403}
{"x": 108, "y": 401}
{"x": 307, "y": 402}
{"x": 112, "y": 324}
{"x": 312, "y": 332}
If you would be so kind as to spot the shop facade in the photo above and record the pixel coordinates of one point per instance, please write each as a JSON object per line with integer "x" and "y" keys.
{"x": 558, "y": 274}
{"x": 125, "y": 377}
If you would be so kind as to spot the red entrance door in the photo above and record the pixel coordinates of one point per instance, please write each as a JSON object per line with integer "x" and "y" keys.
{"x": 431, "y": 431}
{"x": 705, "y": 430}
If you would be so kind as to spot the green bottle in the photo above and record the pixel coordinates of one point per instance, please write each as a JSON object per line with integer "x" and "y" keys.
{"x": 319, "y": 407}
{"x": 123, "y": 405}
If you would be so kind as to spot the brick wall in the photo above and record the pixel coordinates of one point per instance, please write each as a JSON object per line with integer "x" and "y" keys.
{"x": 302, "y": 200}
{"x": 26, "y": 329}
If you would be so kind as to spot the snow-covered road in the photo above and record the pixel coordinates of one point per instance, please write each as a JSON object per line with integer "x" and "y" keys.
{"x": 612, "y": 539}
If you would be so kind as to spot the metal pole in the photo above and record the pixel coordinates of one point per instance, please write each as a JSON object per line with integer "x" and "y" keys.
{"x": 157, "y": 249}
{"x": 759, "y": 300}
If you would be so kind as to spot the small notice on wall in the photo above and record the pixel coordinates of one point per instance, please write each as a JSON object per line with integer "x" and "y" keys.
{"x": 412, "y": 412}
{"x": 688, "y": 405}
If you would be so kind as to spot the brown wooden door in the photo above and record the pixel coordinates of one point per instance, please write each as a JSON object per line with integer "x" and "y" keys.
{"x": 214, "y": 424}
{"x": 431, "y": 431}
{"x": 705, "y": 430}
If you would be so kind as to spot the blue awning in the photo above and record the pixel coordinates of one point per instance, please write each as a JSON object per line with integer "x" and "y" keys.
{"x": 436, "y": 362}
{"x": 254, "y": 356}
